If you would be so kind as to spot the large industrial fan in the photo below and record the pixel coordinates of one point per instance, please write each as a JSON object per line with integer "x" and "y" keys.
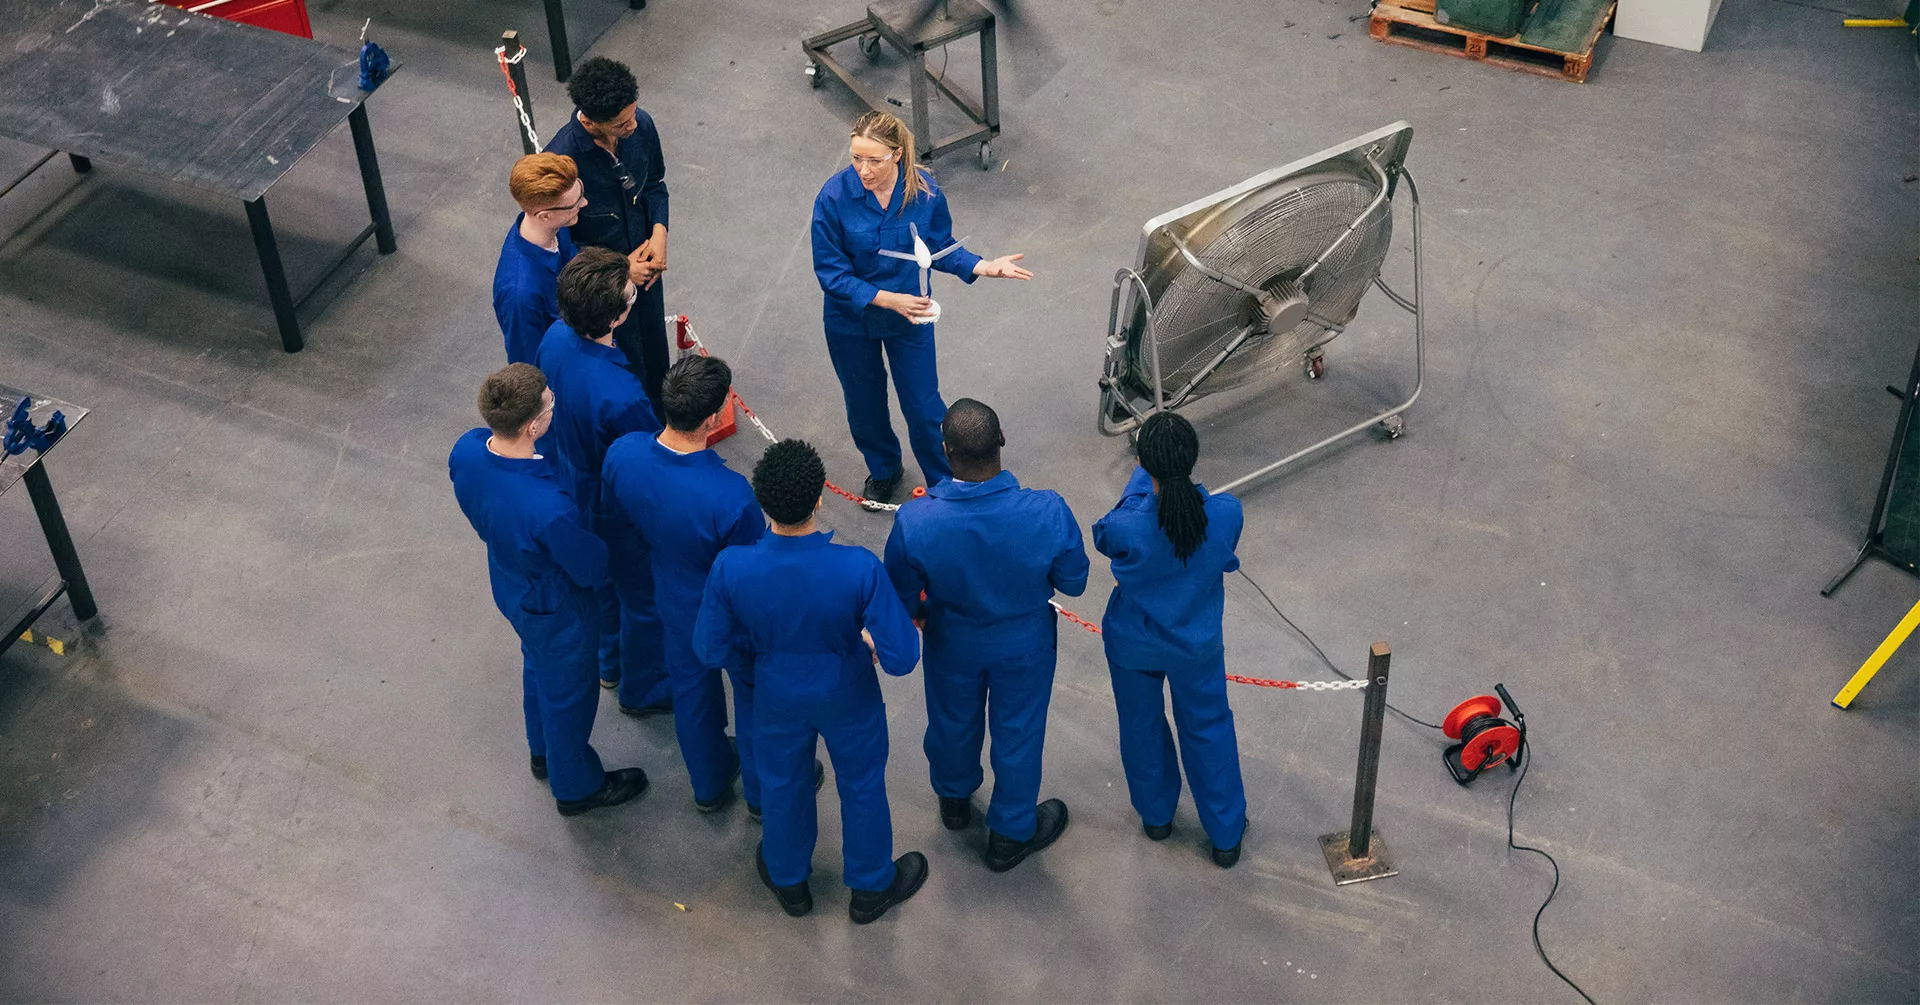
{"x": 1247, "y": 282}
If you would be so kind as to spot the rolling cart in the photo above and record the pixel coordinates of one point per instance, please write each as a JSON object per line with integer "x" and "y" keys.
{"x": 894, "y": 21}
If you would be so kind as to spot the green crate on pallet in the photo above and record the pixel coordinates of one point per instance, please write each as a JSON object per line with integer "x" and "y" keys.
{"x": 1494, "y": 17}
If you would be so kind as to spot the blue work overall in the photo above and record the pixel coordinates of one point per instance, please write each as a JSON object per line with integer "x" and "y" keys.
{"x": 988, "y": 557}
{"x": 688, "y": 508}
{"x": 1163, "y": 623}
{"x": 849, "y": 231}
{"x": 793, "y": 608}
{"x": 597, "y": 400}
{"x": 524, "y": 291}
{"x": 543, "y": 565}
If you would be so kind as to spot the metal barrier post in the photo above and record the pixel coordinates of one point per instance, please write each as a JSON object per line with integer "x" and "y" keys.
{"x": 1358, "y": 853}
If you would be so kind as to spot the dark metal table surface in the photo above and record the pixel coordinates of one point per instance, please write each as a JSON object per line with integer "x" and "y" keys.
{"x": 218, "y": 105}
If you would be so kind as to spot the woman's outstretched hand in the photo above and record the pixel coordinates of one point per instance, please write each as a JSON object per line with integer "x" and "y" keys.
{"x": 1002, "y": 268}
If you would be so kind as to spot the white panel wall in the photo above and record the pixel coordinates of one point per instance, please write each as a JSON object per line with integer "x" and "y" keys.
{"x": 1682, "y": 24}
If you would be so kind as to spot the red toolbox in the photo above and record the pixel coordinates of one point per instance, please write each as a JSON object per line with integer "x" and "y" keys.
{"x": 289, "y": 16}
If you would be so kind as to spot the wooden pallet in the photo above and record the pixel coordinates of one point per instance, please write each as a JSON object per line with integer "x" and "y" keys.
{"x": 1403, "y": 25}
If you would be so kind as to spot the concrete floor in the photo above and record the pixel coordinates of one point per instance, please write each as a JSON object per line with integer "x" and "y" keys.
{"x": 286, "y": 762}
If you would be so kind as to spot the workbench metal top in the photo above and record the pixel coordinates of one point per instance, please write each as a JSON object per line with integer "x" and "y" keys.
{"x": 13, "y": 467}
{"x": 218, "y": 105}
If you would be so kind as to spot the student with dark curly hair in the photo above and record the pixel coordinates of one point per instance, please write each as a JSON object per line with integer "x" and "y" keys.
{"x": 616, "y": 149}
{"x": 1171, "y": 543}
{"x": 813, "y": 619}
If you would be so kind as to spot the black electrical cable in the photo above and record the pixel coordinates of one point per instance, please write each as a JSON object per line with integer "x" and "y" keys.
{"x": 1317, "y": 651}
{"x": 1526, "y": 761}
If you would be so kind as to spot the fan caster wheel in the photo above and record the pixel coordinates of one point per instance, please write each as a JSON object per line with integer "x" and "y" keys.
{"x": 870, "y": 45}
{"x": 1395, "y": 426}
{"x": 816, "y": 75}
{"x": 986, "y": 155}
{"x": 1314, "y": 365}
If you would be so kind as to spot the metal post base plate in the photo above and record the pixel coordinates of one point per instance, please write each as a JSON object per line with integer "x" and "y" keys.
{"x": 1347, "y": 871}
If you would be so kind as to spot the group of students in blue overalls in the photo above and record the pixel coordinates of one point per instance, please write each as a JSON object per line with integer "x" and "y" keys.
{"x": 622, "y": 549}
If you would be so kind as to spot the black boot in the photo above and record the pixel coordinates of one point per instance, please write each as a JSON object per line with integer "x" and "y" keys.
{"x": 620, "y": 786}
{"x": 956, "y": 814}
{"x": 796, "y": 900}
{"x": 1050, "y": 821}
{"x": 721, "y": 800}
{"x": 1226, "y": 857}
{"x": 880, "y": 490}
{"x": 1160, "y": 833}
{"x": 819, "y": 777}
{"x": 538, "y": 763}
{"x": 648, "y": 711}
{"x": 909, "y": 871}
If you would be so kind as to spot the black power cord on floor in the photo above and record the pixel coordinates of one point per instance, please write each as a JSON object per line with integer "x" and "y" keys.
{"x": 1317, "y": 651}
{"x": 1526, "y": 761}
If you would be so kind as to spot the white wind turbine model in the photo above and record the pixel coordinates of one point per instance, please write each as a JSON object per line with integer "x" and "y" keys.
{"x": 924, "y": 258}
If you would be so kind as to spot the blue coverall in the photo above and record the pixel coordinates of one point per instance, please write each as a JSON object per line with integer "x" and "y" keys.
{"x": 687, "y": 508}
{"x": 597, "y": 400}
{"x": 626, "y": 195}
{"x": 989, "y": 556}
{"x": 543, "y": 565}
{"x": 792, "y": 608}
{"x": 849, "y": 229}
{"x": 1163, "y": 622}
{"x": 524, "y": 285}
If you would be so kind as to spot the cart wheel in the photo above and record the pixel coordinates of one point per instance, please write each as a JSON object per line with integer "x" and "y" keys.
{"x": 986, "y": 155}
{"x": 1395, "y": 426}
{"x": 870, "y": 45}
{"x": 816, "y": 75}
{"x": 1315, "y": 366}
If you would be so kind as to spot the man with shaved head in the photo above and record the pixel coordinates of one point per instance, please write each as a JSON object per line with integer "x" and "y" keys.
{"x": 978, "y": 562}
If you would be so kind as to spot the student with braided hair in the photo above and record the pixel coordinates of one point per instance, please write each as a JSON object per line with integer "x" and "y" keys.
{"x": 1171, "y": 543}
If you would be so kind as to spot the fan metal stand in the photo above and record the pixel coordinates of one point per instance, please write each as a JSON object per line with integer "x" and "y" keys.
{"x": 1390, "y": 422}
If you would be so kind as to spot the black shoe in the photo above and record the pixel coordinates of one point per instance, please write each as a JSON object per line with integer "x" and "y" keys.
{"x": 1226, "y": 857}
{"x": 620, "y": 786}
{"x": 880, "y": 490}
{"x": 647, "y": 711}
{"x": 955, "y": 813}
{"x": 1050, "y": 821}
{"x": 796, "y": 900}
{"x": 538, "y": 763}
{"x": 909, "y": 872}
{"x": 819, "y": 778}
{"x": 721, "y": 799}
{"x": 1160, "y": 833}
{"x": 610, "y": 684}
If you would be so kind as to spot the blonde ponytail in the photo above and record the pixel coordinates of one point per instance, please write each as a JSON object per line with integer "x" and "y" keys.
{"x": 887, "y": 129}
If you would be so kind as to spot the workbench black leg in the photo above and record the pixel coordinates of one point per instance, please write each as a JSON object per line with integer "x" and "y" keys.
{"x": 276, "y": 276}
{"x": 81, "y": 165}
{"x": 636, "y": 4}
{"x": 922, "y": 135}
{"x": 54, "y": 526}
{"x": 557, "y": 33}
{"x": 990, "y": 76}
{"x": 370, "y": 179}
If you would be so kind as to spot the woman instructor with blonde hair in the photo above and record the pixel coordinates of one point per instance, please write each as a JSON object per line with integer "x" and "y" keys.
{"x": 865, "y": 221}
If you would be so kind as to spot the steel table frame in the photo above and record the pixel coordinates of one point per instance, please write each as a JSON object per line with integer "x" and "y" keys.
{"x": 886, "y": 20}
{"x": 72, "y": 579}
{"x": 557, "y": 34}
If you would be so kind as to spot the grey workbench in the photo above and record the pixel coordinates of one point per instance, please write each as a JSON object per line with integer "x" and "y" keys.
{"x": 30, "y": 468}
{"x": 217, "y": 105}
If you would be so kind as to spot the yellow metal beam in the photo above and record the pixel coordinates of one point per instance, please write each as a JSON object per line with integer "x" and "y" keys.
{"x": 1878, "y": 659}
{"x": 1874, "y": 22}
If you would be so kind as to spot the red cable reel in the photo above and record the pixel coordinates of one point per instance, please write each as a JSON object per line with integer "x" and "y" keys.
{"x": 1486, "y": 740}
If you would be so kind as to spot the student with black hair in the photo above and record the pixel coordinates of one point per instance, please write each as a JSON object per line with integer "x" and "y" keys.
{"x": 687, "y": 506}
{"x": 978, "y": 562}
{"x": 616, "y": 148}
{"x": 813, "y": 619}
{"x": 543, "y": 565}
{"x": 600, "y": 400}
{"x": 1171, "y": 544}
